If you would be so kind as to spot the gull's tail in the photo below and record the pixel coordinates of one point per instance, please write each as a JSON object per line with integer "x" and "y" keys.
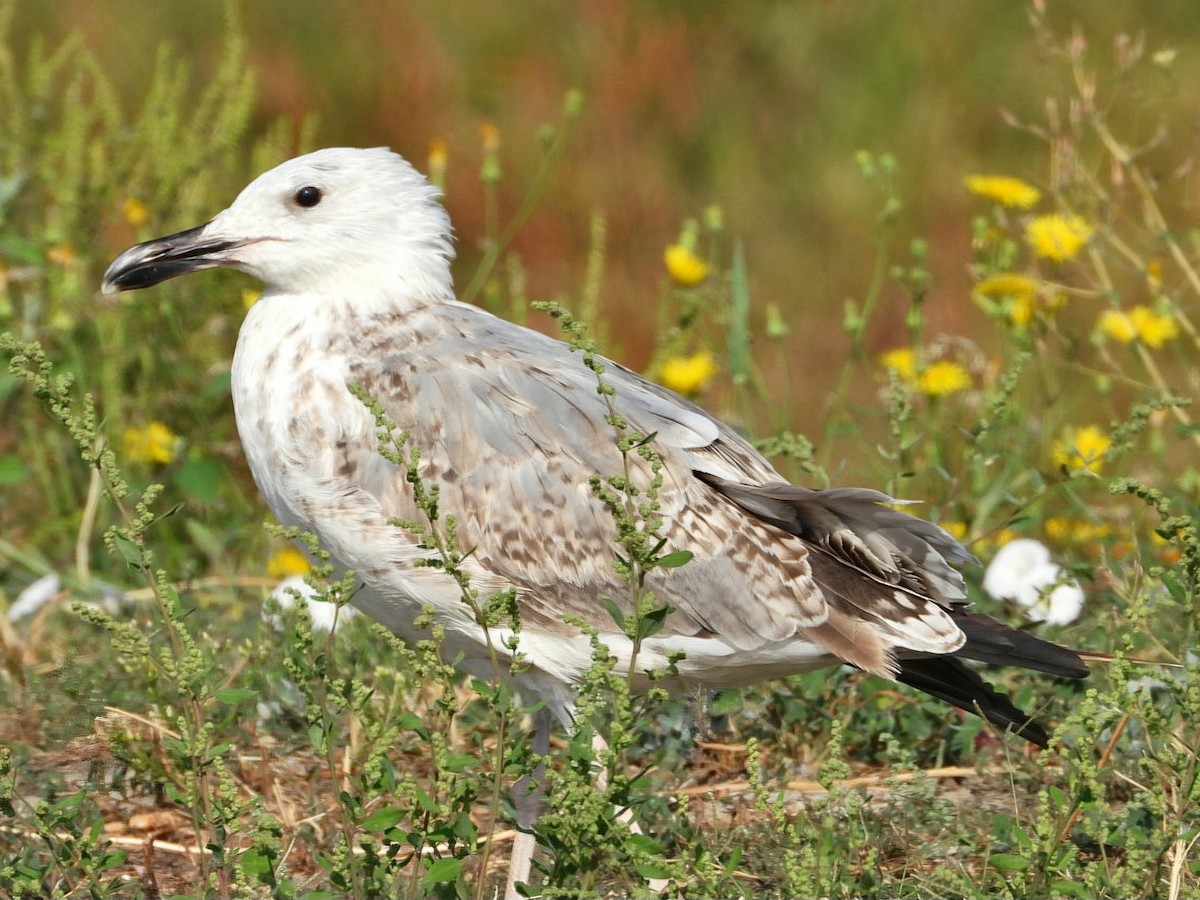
{"x": 889, "y": 574}
{"x": 949, "y": 678}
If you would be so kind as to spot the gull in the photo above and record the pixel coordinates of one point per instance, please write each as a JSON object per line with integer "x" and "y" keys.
{"x": 354, "y": 249}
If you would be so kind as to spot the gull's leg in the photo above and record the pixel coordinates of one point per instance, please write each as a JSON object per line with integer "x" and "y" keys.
{"x": 529, "y": 802}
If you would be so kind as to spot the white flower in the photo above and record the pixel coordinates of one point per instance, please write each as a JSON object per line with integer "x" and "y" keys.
{"x": 48, "y": 588}
{"x": 35, "y": 597}
{"x": 1022, "y": 571}
{"x": 325, "y": 615}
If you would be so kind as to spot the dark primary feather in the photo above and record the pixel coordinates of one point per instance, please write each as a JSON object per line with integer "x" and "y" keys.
{"x": 994, "y": 642}
{"x": 888, "y": 565}
{"x": 949, "y": 678}
{"x": 952, "y": 680}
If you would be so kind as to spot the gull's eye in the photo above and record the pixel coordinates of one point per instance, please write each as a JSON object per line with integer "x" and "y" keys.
{"x": 308, "y": 197}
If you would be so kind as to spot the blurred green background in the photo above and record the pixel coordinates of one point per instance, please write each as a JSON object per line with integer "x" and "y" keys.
{"x": 758, "y": 107}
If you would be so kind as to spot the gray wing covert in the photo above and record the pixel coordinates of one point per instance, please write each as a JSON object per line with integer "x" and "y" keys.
{"x": 511, "y": 427}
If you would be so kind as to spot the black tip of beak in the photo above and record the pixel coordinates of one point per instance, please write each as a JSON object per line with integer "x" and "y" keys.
{"x": 147, "y": 275}
{"x": 155, "y": 261}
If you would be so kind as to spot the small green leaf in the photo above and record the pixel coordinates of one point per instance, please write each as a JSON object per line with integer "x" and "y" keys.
{"x": 1022, "y": 840}
{"x": 650, "y": 870}
{"x": 580, "y": 746}
{"x": 410, "y": 721}
{"x": 382, "y": 819}
{"x": 464, "y": 829}
{"x": 130, "y": 552}
{"x": 1058, "y": 797}
{"x": 442, "y": 871}
{"x": 648, "y": 846}
{"x": 234, "y": 696}
{"x": 482, "y": 688}
{"x": 253, "y": 862}
{"x": 674, "y": 560}
{"x": 457, "y": 762}
{"x": 615, "y": 611}
{"x": 1008, "y": 862}
{"x": 316, "y": 734}
{"x": 1178, "y": 592}
{"x": 423, "y": 798}
{"x": 173, "y": 510}
{"x": 652, "y": 622}
{"x": 735, "y": 856}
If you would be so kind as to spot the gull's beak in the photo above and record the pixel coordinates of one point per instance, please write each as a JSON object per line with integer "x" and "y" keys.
{"x": 176, "y": 254}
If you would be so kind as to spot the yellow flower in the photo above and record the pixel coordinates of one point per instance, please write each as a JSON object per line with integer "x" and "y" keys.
{"x": 1020, "y": 310}
{"x": 956, "y": 530}
{"x": 1057, "y": 237}
{"x": 1058, "y": 528}
{"x": 1140, "y": 323}
{"x": 902, "y": 361}
{"x": 1081, "y": 448}
{"x": 1007, "y": 285}
{"x": 1017, "y": 291}
{"x": 1004, "y": 190}
{"x": 688, "y": 374}
{"x": 135, "y": 212}
{"x": 287, "y": 562}
{"x": 1065, "y": 530}
{"x": 942, "y": 378}
{"x": 250, "y": 297}
{"x": 1153, "y": 329}
{"x": 1117, "y": 325}
{"x": 685, "y": 267}
{"x": 155, "y": 443}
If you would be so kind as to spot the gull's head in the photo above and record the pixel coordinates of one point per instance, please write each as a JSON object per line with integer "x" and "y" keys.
{"x": 333, "y": 217}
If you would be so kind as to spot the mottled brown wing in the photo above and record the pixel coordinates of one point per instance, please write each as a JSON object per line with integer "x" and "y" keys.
{"x": 512, "y": 428}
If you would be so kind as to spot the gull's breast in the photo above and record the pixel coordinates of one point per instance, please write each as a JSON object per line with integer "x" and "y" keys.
{"x": 290, "y": 401}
